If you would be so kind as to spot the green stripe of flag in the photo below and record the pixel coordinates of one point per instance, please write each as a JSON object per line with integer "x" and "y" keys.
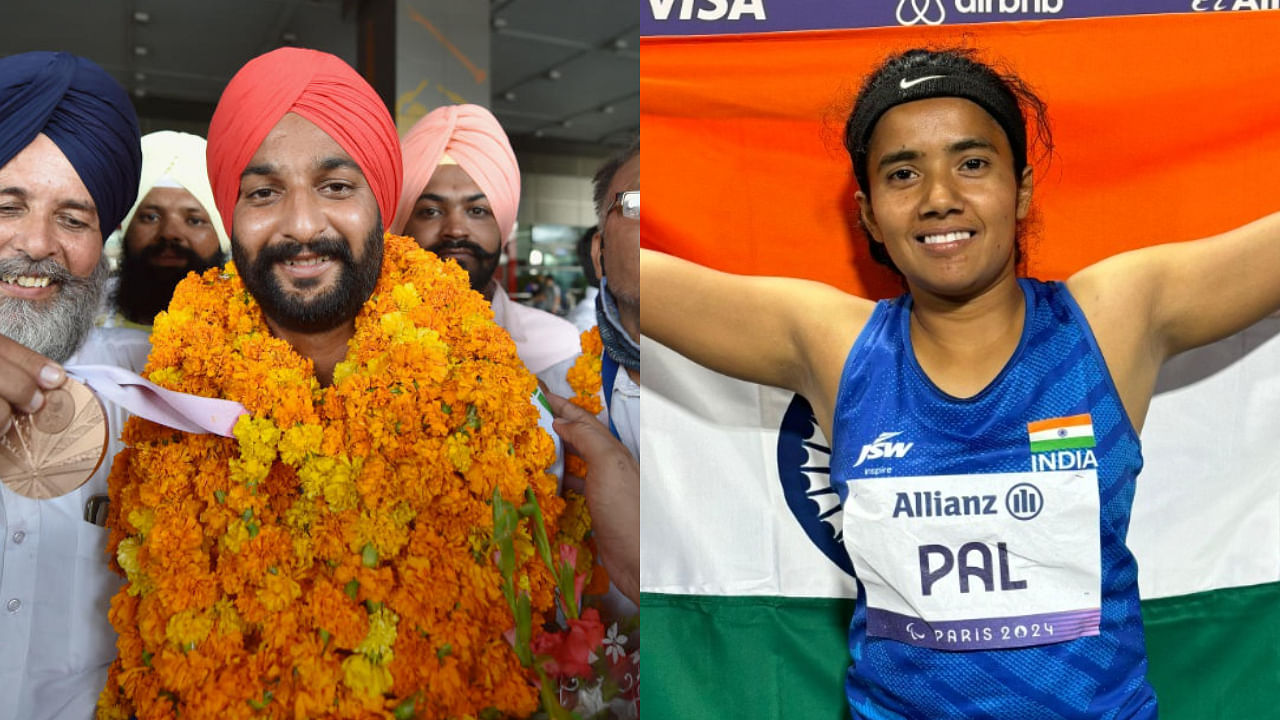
{"x": 1212, "y": 655}
{"x": 1068, "y": 443}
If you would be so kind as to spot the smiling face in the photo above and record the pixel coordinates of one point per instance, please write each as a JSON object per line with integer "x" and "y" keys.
{"x": 308, "y": 236}
{"x": 51, "y": 269}
{"x": 943, "y": 197}
{"x": 453, "y": 219}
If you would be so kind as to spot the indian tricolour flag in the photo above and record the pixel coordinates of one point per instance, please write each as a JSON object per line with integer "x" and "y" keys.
{"x": 1162, "y": 124}
{"x": 1063, "y": 433}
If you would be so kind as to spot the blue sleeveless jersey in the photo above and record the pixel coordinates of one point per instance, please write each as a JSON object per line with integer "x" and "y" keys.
{"x": 1056, "y": 371}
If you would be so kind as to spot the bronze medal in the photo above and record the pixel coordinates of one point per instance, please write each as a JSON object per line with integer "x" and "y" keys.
{"x": 58, "y": 448}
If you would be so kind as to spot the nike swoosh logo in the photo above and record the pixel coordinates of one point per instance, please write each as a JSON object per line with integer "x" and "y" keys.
{"x": 905, "y": 83}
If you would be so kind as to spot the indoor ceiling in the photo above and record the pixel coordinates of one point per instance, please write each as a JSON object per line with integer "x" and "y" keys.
{"x": 565, "y": 74}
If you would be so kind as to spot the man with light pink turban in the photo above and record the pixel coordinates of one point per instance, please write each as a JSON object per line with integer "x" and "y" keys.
{"x": 459, "y": 199}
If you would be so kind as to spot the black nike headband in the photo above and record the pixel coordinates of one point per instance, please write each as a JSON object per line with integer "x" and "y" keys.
{"x": 895, "y": 88}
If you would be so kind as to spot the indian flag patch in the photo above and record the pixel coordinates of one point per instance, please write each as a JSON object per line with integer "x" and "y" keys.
{"x": 1062, "y": 433}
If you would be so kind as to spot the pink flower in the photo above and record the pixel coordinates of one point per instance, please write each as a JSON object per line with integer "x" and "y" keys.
{"x": 571, "y": 651}
{"x": 569, "y": 555}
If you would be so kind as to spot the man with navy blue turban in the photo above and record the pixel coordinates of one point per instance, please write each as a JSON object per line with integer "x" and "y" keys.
{"x": 69, "y": 167}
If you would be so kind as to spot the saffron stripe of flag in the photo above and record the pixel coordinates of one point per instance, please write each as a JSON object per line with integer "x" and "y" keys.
{"x": 1064, "y": 433}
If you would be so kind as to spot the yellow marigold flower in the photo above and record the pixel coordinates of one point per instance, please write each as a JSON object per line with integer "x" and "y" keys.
{"x": 142, "y": 520}
{"x": 168, "y": 377}
{"x": 523, "y": 544}
{"x": 249, "y": 471}
{"x": 301, "y": 514}
{"x": 343, "y": 370}
{"x": 403, "y": 514}
{"x": 225, "y": 615}
{"x": 382, "y": 635}
{"x": 299, "y": 441}
{"x": 575, "y": 521}
{"x": 398, "y": 326}
{"x": 366, "y": 678}
{"x": 406, "y": 297}
{"x": 338, "y": 489}
{"x": 127, "y": 557}
{"x": 188, "y": 628}
{"x": 459, "y": 454}
{"x": 235, "y": 536}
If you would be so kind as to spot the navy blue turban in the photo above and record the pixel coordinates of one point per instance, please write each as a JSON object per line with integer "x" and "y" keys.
{"x": 85, "y": 113}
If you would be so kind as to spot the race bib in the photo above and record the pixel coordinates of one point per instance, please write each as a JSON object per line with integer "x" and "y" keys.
{"x": 977, "y": 562}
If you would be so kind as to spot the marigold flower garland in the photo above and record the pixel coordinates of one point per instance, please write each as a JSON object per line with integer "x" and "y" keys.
{"x": 338, "y": 557}
{"x": 597, "y": 676}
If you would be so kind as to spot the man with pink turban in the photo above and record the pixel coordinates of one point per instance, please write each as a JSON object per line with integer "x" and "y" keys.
{"x": 459, "y": 200}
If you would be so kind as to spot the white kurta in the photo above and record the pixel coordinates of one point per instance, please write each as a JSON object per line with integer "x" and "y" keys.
{"x": 55, "y": 585}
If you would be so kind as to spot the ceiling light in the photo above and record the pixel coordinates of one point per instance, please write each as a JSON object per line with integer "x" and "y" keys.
{"x": 566, "y": 123}
{"x": 499, "y": 23}
{"x": 620, "y": 44}
{"x": 554, "y": 74}
{"x": 140, "y": 92}
{"x": 607, "y": 109}
{"x": 509, "y": 96}
{"x": 535, "y": 257}
{"x": 141, "y": 17}
{"x": 140, "y": 50}
{"x": 288, "y": 37}
{"x": 139, "y": 77}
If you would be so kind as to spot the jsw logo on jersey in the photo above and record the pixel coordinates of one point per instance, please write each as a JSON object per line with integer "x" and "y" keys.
{"x": 882, "y": 448}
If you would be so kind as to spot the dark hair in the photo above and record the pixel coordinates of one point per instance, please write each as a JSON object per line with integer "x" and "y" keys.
{"x": 919, "y": 74}
{"x": 604, "y": 176}
{"x": 584, "y": 256}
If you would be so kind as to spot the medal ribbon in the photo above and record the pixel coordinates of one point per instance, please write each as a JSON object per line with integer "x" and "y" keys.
{"x": 180, "y": 411}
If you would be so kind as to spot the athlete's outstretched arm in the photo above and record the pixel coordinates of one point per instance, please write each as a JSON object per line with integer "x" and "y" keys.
{"x": 1150, "y": 304}
{"x": 783, "y": 332}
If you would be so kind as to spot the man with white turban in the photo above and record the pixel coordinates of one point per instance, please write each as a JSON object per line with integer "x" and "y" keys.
{"x": 170, "y": 231}
{"x": 459, "y": 200}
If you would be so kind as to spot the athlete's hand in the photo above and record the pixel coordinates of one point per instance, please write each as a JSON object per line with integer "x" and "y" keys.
{"x": 612, "y": 490}
{"x": 24, "y": 373}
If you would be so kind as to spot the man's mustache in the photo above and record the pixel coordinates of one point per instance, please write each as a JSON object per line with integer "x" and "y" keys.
{"x": 48, "y": 267}
{"x": 480, "y": 253}
{"x": 288, "y": 249}
{"x": 156, "y": 249}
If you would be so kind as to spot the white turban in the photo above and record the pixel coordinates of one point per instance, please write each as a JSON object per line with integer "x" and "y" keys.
{"x": 172, "y": 159}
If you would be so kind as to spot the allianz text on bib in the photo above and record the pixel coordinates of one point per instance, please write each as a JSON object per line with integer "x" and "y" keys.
{"x": 977, "y": 562}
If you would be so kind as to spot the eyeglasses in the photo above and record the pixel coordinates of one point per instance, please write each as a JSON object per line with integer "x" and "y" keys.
{"x": 628, "y": 202}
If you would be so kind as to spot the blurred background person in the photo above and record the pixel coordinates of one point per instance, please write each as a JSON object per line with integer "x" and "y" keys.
{"x": 583, "y": 314}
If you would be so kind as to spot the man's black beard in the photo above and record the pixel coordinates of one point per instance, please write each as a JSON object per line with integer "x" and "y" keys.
{"x": 486, "y": 262}
{"x": 335, "y": 307}
{"x": 145, "y": 289}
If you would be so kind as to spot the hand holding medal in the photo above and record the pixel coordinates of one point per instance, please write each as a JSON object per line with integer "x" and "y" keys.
{"x": 53, "y": 432}
{"x": 56, "y": 449}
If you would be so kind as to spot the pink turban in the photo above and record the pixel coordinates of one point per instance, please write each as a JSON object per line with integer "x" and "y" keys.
{"x": 319, "y": 87}
{"x": 473, "y": 138}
